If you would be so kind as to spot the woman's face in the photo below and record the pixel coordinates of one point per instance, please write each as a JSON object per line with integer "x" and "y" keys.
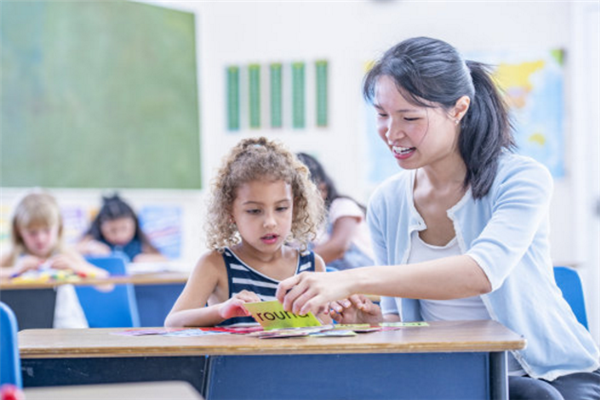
{"x": 39, "y": 240}
{"x": 118, "y": 231}
{"x": 417, "y": 136}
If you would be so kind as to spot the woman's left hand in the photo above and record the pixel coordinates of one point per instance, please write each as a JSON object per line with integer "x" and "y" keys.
{"x": 312, "y": 292}
{"x": 357, "y": 309}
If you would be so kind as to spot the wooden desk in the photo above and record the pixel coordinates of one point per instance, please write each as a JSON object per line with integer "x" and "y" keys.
{"x": 459, "y": 359}
{"x": 120, "y": 391}
{"x": 138, "y": 279}
{"x": 33, "y": 302}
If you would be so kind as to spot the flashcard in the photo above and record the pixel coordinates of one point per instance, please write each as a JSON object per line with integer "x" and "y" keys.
{"x": 402, "y": 324}
{"x": 270, "y": 315}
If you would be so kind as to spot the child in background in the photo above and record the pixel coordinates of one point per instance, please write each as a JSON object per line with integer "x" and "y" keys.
{"x": 116, "y": 229}
{"x": 345, "y": 243}
{"x": 262, "y": 202}
{"x": 36, "y": 238}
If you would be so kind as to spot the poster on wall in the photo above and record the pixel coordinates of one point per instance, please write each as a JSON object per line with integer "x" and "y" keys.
{"x": 533, "y": 86}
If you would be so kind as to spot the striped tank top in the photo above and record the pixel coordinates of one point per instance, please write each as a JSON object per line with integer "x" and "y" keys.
{"x": 243, "y": 277}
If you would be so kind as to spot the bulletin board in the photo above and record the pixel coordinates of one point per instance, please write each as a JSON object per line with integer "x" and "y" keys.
{"x": 98, "y": 95}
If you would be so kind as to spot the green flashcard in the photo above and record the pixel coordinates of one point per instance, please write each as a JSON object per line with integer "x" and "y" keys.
{"x": 270, "y": 315}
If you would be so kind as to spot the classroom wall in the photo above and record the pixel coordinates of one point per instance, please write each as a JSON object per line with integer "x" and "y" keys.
{"x": 348, "y": 34}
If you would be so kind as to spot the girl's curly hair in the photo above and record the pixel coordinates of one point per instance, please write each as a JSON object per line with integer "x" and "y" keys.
{"x": 262, "y": 159}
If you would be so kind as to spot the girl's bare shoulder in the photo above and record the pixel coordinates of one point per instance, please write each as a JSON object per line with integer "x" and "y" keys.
{"x": 211, "y": 261}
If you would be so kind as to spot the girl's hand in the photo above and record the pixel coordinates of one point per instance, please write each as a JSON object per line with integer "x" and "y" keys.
{"x": 27, "y": 263}
{"x": 234, "y": 307}
{"x": 357, "y": 309}
{"x": 94, "y": 247}
{"x": 62, "y": 261}
{"x": 312, "y": 291}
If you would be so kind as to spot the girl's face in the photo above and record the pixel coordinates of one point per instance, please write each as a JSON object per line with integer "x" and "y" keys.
{"x": 40, "y": 240}
{"x": 417, "y": 136}
{"x": 118, "y": 231}
{"x": 262, "y": 211}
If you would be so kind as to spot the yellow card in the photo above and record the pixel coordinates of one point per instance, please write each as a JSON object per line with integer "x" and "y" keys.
{"x": 270, "y": 315}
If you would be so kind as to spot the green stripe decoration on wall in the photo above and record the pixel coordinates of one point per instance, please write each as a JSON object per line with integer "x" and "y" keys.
{"x": 276, "y": 95}
{"x": 298, "y": 119}
{"x": 254, "y": 95}
{"x": 233, "y": 98}
{"x": 321, "y": 92}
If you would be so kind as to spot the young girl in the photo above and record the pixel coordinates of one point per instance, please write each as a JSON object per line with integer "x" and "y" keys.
{"x": 36, "y": 236}
{"x": 345, "y": 242}
{"x": 116, "y": 229}
{"x": 462, "y": 231}
{"x": 262, "y": 202}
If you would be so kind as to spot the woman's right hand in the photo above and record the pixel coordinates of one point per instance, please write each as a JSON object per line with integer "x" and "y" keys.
{"x": 357, "y": 309}
{"x": 234, "y": 307}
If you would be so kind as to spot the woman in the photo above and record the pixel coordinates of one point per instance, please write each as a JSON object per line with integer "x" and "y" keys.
{"x": 462, "y": 231}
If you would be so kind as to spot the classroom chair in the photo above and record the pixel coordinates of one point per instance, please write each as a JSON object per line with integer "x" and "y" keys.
{"x": 114, "y": 309}
{"x": 569, "y": 283}
{"x": 10, "y": 363}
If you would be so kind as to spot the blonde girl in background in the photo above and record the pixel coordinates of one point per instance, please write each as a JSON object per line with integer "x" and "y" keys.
{"x": 37, "y": 243}
{"x": 263, "y": 212}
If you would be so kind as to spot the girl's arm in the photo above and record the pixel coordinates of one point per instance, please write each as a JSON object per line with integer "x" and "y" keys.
{"x": 89, "y": 245}
{"x": 9, "y": 269}
{"x": 208, "y": 285}
{"x": 149, "y": 254}
{"x": 442, "y": 279}
{"x": 70, "y": 259}
{"x": 344, "y": 229}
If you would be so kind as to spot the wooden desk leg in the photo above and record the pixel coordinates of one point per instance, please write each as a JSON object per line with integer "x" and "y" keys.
{"x": 498, "y": 376}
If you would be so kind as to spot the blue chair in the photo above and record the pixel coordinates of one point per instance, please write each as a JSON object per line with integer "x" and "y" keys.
{"x": 114, "y": 309}
{"x": 10, "y": 363}
{"x": 569, "y": 283}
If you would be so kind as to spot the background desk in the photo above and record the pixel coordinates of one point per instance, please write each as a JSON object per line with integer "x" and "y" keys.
{"x": 122, "y": 391}
{"x": 446, "y": 360}
{"x": 33, "y": 302}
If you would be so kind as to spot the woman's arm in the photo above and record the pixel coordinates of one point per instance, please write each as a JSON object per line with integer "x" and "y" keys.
{"x": 320, "y": 267}
{"x": 340, "y": 239}
{"x": 442, "y": 279}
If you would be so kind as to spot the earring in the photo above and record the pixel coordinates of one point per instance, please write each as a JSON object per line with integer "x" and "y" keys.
{"x": 457, "y": 121}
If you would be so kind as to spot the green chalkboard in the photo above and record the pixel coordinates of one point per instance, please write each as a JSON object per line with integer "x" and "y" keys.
{"x": 98, "y": 95}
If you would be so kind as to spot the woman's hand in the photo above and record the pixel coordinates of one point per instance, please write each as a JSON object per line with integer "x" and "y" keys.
{"x": 312, "y": 291}
{"x": 234, "y": 307}
{"x": 357, "y": 309}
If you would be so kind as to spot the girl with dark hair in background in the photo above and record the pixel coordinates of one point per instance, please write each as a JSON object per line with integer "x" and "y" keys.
{"x": 462, "y": 232}
{"x": 116, "y": 229}
{"x": 345, "y": 243}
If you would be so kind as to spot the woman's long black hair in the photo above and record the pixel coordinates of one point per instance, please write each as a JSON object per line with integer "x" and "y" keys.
{"x": 429, "y": 71}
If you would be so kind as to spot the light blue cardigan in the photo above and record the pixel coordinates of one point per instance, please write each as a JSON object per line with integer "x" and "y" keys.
{"x": 506, "y": 233}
